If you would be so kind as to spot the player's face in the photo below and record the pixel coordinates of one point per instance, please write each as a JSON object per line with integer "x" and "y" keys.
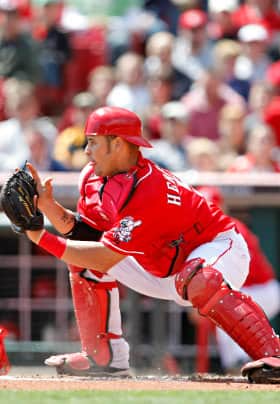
{"x": 102, "y": 153}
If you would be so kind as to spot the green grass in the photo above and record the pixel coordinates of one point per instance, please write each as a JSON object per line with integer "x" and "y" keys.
{"x": 139, "y": 397}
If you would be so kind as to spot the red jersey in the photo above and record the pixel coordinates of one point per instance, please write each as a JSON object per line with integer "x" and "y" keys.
{"x": 163, "y": 221}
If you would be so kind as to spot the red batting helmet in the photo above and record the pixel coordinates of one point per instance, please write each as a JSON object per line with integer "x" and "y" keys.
{"x": 116, "y": 121}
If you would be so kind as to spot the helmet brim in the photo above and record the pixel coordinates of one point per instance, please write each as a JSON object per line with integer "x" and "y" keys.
{"x": 139, "y": 141}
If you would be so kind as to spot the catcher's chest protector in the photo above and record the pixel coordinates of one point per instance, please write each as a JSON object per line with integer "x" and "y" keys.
{"x": 233, "y": 311}
{"x": 102, "y": 198}
{"x": 92, "y": 305}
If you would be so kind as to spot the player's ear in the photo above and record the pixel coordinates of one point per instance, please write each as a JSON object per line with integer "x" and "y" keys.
{"x": 118, "y": 143}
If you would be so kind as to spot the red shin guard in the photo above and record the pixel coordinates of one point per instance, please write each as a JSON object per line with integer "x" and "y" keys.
{"x": 237, "y": 314}
{"x": 92, "y": 310}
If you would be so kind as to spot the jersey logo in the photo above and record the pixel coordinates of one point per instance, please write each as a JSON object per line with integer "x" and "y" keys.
{"x": 127, "y": 225}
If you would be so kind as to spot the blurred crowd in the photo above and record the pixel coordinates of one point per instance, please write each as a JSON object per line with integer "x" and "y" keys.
{"x": 204, "y": 76}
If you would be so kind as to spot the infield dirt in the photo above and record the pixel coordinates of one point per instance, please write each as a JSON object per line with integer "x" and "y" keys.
{"x": 194, "y": 382}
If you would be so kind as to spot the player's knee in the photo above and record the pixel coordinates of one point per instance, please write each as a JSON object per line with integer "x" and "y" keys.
{"x": 183, "y": 278}
{"x": 198, "y": 283}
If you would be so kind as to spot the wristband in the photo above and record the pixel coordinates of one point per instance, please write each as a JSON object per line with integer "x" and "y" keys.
{"x": 53, "y": 244}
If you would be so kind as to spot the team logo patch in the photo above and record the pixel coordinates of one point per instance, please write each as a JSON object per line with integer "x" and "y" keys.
{"x": 127, "y": 225}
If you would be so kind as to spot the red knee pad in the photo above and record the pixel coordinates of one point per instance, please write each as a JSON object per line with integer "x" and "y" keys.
{"x": 202, "y": 286}
{"x": 183, "y": 278}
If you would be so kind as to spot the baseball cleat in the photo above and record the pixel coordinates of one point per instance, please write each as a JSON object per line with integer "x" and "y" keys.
{"x": 80, "y": 364}
{"x": 263, "y": 371}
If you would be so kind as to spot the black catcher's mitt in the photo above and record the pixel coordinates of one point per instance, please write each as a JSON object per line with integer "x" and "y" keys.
{"x": 17, "y": 201}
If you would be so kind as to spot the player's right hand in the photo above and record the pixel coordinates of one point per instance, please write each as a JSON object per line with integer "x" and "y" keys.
{"x": 45, "y": 197}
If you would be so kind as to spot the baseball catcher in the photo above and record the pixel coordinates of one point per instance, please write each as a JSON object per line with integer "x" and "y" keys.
{"x": 159, "y": 237}
{"x": 17, "y": 201}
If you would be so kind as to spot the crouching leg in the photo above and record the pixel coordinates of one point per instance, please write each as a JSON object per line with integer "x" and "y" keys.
{"x": 233, "y": 311}
{"x": 97, "y": 312}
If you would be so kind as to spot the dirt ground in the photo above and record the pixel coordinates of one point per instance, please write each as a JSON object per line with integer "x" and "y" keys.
{"x": 194, "y": 382}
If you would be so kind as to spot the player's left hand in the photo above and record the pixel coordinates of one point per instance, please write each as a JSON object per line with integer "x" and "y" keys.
{"x": 17, "y": 200}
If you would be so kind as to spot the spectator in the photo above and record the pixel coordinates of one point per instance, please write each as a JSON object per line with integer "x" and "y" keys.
{"x": 164, "y": 10}
{"x": 54, "y": 54}
{"x": 232, "y": 141}
{"x": 101, "y": 82}
{"x": 18, "y": 52}
{"x": 205, "y": 101}
{"x": 259, "y": 97}
{"x": 130, "y": 91}
{"x": 271, "y": 112}
{"x": 262, "y": 12}
{"x": 22, "y": 111}
{"x": 133, "y": 26}
{"x": 158, "y": 51}
{"x": 225, "y": 54}
{"x": 70, "y": 143}
{"x": 261, "y": 152}
{"x": 221, "y": 23}
{"x": 203, "y": 154}
{"x": 159, "y": 85}
{"x": 41, "y": 150}
{"x": 192, "y": 52}
{"x": 253, "y": 62}
{"x": 169, "y": 151}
